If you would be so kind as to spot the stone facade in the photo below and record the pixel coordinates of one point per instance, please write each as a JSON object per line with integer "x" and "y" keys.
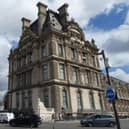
{"x": 122, "y": 102}
{"x": 55, "y": 66}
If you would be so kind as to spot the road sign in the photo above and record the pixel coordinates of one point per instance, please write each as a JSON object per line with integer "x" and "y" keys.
{"x": 110, "y": 94}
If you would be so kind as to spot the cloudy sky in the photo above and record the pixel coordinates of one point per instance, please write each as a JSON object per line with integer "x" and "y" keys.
{"x": 107, "y": 21}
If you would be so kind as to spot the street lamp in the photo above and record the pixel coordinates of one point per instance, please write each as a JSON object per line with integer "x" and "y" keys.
{"x": 109, "y": 82}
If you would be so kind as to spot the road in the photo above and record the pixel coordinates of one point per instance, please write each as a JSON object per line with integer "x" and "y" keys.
{"x": 67, "y": 125}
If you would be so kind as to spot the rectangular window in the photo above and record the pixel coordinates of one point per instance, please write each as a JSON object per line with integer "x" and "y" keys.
{"x": 46, "y": 101}
{"x": 17, "y": 100}
{"x": 96, "y": 79}
{"x": 93, "y": 61}
{"x": 24, "y": 61}
{"x": 85, "y": 77}
{"x": 45, "y": 72}
{"x": 29, "y": 58}
{"x": 79, "y": 101}
{"x": 30, "y": 99}
{"x": 74, "y": 74}
{"x": 73, "y": 53}
{"x": 91, "y": 99}
{"x": 23, "y": 99}
{"x": 60, "y": 50}
{"x": 28, "y": 78}
{"x": 62, "y": 71}
{"x": 84, "y": 58}
{"x": 44, "y": 51}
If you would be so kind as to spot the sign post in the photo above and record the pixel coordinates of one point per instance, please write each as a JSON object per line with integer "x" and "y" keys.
{"x": 111, "y": 95}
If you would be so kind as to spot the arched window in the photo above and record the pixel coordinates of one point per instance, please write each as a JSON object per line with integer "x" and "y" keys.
{"x": 65, "y": 102}
{"x": 79, "y": 101}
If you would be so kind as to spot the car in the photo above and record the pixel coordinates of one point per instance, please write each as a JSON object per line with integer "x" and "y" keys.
{"x": 98, "y": 120}
{"x": 27, "y": 120}
{"x": 5, "y": 117}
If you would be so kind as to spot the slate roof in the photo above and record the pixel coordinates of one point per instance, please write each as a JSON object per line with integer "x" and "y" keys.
{"x": 52, "y": 20}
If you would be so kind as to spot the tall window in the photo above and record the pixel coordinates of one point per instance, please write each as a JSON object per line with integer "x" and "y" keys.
{"x": 96, "y": 79}
{"x": 74, "y": 74}
{"x": 62, "y": 71}
{"x": 91, "y": 99}
{"x": 18, "y": 63}
{"x": 29, "y": 58}
{"x": 60, "y": 50}
{"x": 30, "y": 99}
{"x": 17, "y": 100}
{"x": 65, "y": 102}
{"x": 73, "y": 53}
{"x": 46, "y": 98}
{"x": 24, "y": 60}
{"x": 79, "y": 101}
{"x": 28, "y": 78}
{"x": 84, "y": 58}
{"x": 85, "y": 77}
{"x": 23, "y": 100}
{"x": 44, "y": 51}
{"x": 93, "y": 61}
{"x": 45, "y": 72}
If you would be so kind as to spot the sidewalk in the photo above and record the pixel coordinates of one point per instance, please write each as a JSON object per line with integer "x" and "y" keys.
{"x": 68, "y": 121}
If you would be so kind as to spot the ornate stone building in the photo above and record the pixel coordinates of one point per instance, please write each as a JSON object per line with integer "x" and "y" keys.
{"x": 122, "y": 102}
{"x": 55, "y": 66}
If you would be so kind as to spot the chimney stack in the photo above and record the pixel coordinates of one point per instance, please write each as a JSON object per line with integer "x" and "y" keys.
{"x": 42, "y": 13}
{"x": 25, "y": 23}
{"x": 63, "y": 13}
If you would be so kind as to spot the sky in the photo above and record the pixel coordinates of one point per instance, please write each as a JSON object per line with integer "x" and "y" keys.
{"x": 107, "y": 21}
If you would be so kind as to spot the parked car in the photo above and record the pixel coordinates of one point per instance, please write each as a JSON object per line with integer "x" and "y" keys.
{"x": 5, "y": 117}
{"x": 98, "y": 120}
{"x": 28, "y": 120}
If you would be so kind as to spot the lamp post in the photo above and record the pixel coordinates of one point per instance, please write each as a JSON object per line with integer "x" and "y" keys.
{"x": 109, "y": 82}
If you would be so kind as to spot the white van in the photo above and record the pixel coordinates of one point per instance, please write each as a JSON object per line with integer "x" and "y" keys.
{"x": 6, "y": 116}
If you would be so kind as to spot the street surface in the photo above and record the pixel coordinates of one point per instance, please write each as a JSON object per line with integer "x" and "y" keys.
{"x": 67, "y": 125}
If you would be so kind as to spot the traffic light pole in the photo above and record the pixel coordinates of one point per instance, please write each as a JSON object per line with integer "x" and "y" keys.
{"x": 109, "y": 82}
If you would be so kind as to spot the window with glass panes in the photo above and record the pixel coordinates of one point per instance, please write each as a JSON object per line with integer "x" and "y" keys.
{"x": 29, "y": 98}
{"x": 62, "y": 71}
{"x": 60, "y": 50}
{"x": 65, "y": 103}
{"x": 46, "y": 98}
{"x": 91, "y": 99}
{"x": 44, "y": 51}
{"x": 74, "y": 74}
{"x": 79, "y": 101}
{"x": 17, "y": 100}
{"x": 73, "y": 53}
{"x": 23, "y": 99}
{"x": 85, "y": 77}
{"x": 45, "y": 71}
{"x": 84, "y": 58}
{"x": 96, "y": 79}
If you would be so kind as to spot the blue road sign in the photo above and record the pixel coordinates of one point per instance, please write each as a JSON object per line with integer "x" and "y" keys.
{"x": 110, "y": 94}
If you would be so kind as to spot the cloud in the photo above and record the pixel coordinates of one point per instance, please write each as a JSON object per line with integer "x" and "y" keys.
{"x": 114, "y": 42}
{"x": 2, "y": 93}
{"x": 120, "y": 74}
{"x": 4, "y": 52}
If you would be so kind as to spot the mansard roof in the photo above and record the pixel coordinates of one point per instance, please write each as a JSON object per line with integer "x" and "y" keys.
{"x": 52, "y": 21}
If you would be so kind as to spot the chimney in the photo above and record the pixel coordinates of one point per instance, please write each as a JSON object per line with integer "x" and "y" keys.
{"x": 25, "y": 23}
{"x": 42, "y": 13}
{"x": 63, "y": 13}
